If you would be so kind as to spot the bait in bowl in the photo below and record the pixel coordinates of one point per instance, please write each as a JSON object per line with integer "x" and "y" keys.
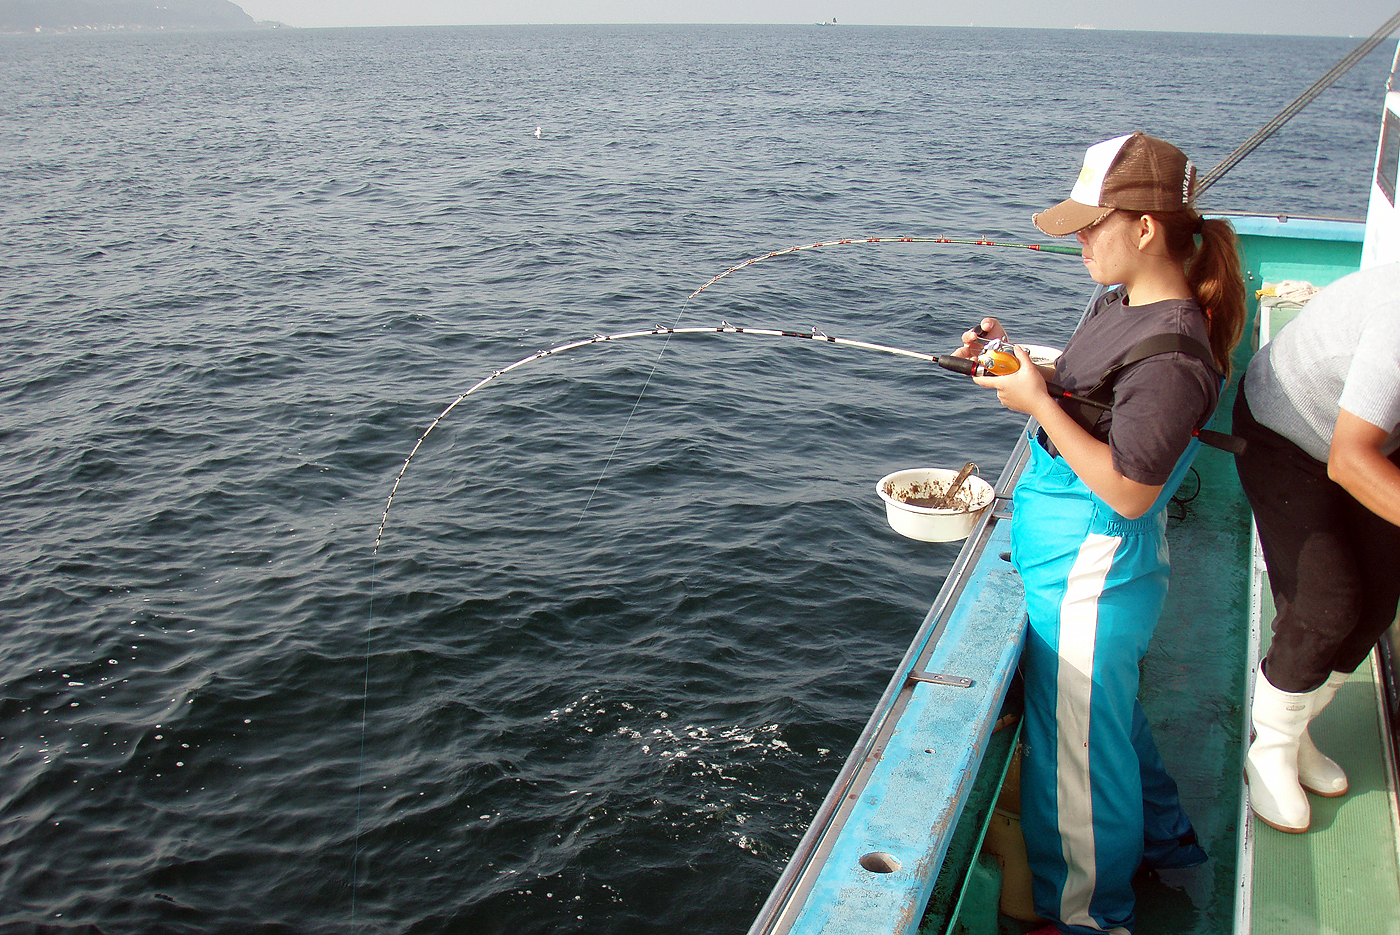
{"x": 908, "y": 493}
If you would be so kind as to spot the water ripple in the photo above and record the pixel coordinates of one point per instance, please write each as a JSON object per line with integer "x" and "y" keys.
{"x": 633, "y": 603}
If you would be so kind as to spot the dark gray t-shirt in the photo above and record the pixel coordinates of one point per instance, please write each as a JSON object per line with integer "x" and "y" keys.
{"x": 1157, "y": 402}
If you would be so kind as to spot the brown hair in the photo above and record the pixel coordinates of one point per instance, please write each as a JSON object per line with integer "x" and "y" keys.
{"x": 1213, "y": 273}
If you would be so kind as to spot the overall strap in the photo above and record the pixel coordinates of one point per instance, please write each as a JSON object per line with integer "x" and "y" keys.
{"x": 1165, "y": 343}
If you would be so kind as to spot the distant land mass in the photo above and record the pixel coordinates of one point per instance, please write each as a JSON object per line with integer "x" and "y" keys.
{"x": 101, "y": 15}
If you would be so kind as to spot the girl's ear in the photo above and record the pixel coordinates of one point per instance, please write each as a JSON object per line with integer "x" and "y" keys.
{"x": 1146, "y": 231}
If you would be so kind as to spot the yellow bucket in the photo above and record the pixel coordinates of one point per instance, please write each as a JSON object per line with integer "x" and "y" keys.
{"x": 1007, "y": 845}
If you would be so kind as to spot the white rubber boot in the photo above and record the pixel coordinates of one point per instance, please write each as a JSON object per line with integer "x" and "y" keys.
{"x": 1318, "y": 772}
{"x": 1272, "y": 764}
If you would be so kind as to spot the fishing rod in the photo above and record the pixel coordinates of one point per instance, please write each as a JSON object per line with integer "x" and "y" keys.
{"x": 1042, "y": 248}
{"x": 993, "y": 360}
{"x": 1205, "y": 182}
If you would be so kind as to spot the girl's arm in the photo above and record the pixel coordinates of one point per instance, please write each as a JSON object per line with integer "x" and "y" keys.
{"x": 1089, "y": 458}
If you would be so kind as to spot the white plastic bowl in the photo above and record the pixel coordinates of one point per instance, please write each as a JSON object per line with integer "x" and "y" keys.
{"x": 1040, "y": 354}
{"x": 926, "y": 523}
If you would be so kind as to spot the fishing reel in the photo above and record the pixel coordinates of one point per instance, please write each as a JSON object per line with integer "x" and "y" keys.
{"x": 997, "y": 358}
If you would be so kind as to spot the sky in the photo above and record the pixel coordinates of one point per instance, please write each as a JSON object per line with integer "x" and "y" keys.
{"x": 1286, "y": 17}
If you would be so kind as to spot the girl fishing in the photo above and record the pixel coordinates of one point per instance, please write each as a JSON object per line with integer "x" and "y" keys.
{"x": 1088, "y": 532}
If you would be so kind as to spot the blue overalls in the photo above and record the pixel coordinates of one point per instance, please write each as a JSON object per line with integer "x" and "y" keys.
{"x": 1096, "y": 801}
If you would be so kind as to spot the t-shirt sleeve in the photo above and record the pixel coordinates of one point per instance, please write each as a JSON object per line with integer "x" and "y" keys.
{"x": 1372, "y": 388}
{"x": 1157, "y": 404}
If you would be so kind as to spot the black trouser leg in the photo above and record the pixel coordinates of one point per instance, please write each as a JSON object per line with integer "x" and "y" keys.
{"x": 1334, "y": 566}
{"x": 1377, "y": 550}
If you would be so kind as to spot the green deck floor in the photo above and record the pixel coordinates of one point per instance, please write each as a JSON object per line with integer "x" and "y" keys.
{"x": 1342, "y": 876}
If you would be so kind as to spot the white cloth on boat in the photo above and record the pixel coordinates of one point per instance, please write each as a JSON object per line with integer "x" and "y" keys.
{"x": 1342, "y": 351}
{"x": 1292, "y": 290}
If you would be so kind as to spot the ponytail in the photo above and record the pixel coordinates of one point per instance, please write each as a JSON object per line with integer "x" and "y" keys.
{"x": 1214, "y": 274}
{"x": 1215, "y": 277}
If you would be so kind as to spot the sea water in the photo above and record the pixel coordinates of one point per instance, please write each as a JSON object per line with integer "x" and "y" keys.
{"x": 633, "y": 603}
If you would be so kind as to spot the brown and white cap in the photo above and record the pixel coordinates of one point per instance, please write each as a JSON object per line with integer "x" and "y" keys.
{"x": 1136, "y": 172}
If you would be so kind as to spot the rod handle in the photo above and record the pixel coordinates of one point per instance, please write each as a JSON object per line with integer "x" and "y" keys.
{"x": 964, "y": 365}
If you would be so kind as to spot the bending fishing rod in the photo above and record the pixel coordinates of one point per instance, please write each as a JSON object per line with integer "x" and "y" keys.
{"x": 1042, "y": 248}
{"x": 994, "y": 360}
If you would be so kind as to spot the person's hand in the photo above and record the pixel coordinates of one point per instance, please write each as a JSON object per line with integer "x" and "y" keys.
{"x": 972, "y": 341}
{"x": 1022, "y": 391}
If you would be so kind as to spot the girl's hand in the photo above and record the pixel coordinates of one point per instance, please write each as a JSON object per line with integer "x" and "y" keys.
{"x": 972, "y": 341}
{"x": 1022, "y": 391}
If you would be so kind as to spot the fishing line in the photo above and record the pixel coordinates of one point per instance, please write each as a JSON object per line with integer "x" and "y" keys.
{"x": 944, "y": 360}
{"x": 657, "y": 331}
{"x": 1043, "y": 248}
{"x": 628, "y": 424}
{"x": 723, "y": 328}
{"x": 1048, "y": 248}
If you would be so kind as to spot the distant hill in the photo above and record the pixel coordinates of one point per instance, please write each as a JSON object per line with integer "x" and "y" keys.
{"x": 84, "y": 15}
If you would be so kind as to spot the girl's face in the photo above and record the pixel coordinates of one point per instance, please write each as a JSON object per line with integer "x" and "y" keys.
{"x": 1109, "y": 250}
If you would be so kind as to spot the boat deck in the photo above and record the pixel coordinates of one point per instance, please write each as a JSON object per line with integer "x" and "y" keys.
{"x": 1343, "y": 875}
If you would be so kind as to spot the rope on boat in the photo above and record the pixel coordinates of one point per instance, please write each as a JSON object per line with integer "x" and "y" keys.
{"x": 1303, "y": 100}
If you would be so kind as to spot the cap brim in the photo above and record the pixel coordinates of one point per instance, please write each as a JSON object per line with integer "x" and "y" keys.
{"x": 1069, "y": 216}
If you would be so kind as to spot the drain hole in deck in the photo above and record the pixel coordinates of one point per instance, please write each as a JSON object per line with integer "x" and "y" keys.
{"x": 880, "y": 862}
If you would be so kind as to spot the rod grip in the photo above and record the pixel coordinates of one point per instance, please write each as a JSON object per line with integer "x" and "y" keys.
{"x": 963, "y": 365}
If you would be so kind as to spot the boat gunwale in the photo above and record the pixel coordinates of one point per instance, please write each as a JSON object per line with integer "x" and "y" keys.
{"x": 785, "y": 901}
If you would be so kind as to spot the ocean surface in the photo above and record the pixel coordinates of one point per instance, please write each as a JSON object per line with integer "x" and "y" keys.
{"x": 633, "y": 603}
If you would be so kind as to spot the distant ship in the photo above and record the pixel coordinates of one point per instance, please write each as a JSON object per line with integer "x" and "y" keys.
{"x": 830, "y": 22}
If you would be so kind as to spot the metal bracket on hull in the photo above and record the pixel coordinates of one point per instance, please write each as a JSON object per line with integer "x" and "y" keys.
{"x": 1002, "y": 507}
{"x": 938, "y": 678}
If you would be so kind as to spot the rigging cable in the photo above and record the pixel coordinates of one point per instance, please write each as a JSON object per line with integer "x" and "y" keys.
{"x": 1303, "y": 100}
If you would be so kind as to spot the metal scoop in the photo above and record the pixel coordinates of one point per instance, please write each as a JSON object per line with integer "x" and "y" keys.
{"x": 954, "y": 485}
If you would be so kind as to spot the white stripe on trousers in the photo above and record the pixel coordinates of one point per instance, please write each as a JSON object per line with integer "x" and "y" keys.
{"x": 1079, "y": 618}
